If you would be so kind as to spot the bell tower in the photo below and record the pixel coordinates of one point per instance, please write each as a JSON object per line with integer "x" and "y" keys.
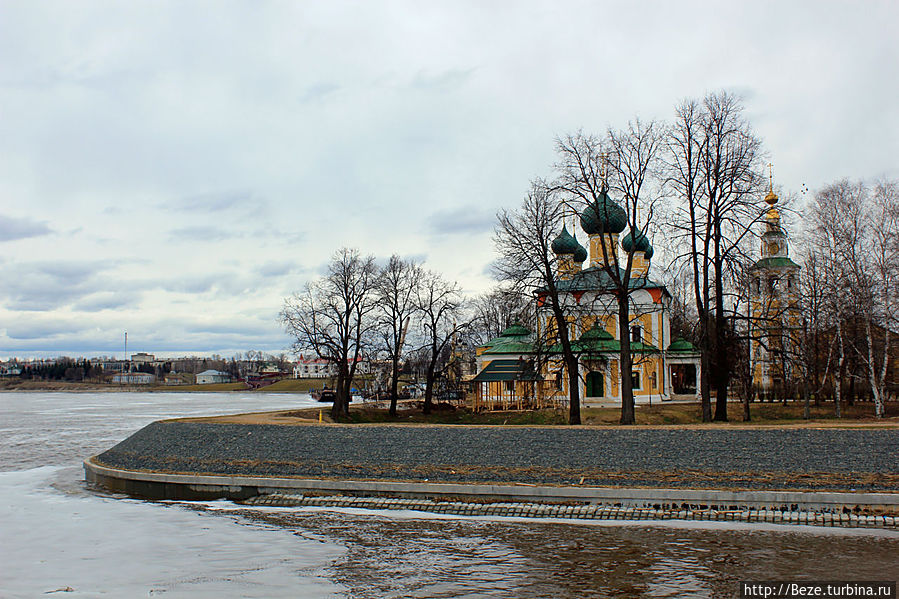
{"x": 774, "y": 303}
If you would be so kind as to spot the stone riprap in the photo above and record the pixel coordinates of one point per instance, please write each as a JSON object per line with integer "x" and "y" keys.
{"x": 579, "y": 512}
{"x": 808, "y": 459}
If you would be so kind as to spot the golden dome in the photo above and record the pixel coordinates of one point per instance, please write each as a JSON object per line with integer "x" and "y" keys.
{"x": 772, "y": 213}
{"x": 771, "y": 198}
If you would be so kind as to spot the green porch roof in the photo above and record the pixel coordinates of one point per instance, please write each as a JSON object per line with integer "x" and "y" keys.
{"x": 681, "y": 345}
{"x": 507, "y": 370}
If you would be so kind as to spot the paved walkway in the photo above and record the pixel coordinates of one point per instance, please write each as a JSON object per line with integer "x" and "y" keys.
{"x": 801, "y": 459}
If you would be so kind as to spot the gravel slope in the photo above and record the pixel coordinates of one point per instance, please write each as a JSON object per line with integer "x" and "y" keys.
{"x": 773, "y": 459}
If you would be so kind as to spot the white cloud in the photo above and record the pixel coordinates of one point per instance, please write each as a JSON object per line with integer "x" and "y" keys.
{"x": 204, "y": 168}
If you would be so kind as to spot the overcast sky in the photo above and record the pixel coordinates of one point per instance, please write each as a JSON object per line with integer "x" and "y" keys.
{"x": 175, "y": 169}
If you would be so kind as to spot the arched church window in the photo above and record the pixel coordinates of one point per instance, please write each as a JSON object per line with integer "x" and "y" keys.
{"x": 636, "y": 334}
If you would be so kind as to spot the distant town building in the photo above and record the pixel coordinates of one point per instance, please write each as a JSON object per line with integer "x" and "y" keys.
{"x": 208, "y": 377}
{"x": 112, "y": 365}
{"x": 313, "y": 368}
{"x": 134, "y": 378}
{"x": 11, "y": 369}
{"x": 319, "y": 368}
{"x": 178, "y": 378}
{"x": 143, "y": 358}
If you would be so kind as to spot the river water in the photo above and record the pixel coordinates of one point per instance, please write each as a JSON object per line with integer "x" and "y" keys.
{"x": 58, "y": 538}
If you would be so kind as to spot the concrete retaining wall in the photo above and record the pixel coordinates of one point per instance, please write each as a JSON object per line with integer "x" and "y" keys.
{"x": 199, "y": 487}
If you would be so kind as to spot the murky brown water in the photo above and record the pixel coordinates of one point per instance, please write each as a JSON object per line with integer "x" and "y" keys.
{"x": 389, "y": 556}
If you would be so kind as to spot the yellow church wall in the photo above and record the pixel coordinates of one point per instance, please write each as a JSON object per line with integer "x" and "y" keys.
{"x": 613, "y": 375}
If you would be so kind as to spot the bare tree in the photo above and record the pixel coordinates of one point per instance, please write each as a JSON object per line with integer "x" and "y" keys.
{"x": 713, "y": 169}
{"x": 838, "y": 221}
{"x": 496, "y": 310}
{"x": 332, "y": 318}
{"x": 440, "y": 309}
{"x": 881, "y": 304}
{"x": 527, "y": 263}
{"x": 632, "y": 157}
{"x": 397, "y": 292}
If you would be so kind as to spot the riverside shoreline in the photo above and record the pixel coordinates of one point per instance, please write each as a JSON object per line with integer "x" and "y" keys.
{"x": 663, "y": 473}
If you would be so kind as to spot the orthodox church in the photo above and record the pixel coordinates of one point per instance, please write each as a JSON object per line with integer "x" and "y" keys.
{"x": 774, "y": 299}
{"x": 523, "y": 368}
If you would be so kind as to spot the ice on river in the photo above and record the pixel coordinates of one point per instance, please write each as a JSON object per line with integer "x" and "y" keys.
{"x": 56, "y": 535}
{"x": 57, "y": 538}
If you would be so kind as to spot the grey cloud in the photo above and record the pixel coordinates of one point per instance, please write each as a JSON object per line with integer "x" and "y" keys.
{"x": 107, "y": 300}
{"x": 41, "y": 329}
{"x": 463, "y": 220}
{"x": 201, "y": 233}
{"x": 42, "y": 286}
{"x": 231, "y": 329}
{"x": 21, "y": 228}
{"x": 318, "y": 92}
{"x": 442, "y": 81}
{"x": 213, "y": 201}
{"x": 277, "y": 269}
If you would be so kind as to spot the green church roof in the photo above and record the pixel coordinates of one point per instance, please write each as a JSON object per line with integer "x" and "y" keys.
{"x": 596, "y": 278}
{"x": 681, "y": 345}
{"x": 774, "y": 262}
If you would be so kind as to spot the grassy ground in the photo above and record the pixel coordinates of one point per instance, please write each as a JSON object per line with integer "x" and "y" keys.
{"x": 760, "y": 413}
{"x": 689, "y": 414}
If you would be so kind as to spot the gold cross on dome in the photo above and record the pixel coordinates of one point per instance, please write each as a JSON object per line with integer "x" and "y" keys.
{"x": 770, "y": 177}
{"x": 603, "y": 173}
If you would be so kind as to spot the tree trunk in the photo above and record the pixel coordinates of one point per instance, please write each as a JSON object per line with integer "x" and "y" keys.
{"x": 877, "y": 383}
{"x": 625, "y": 362}
{"x": 574, "y": 391}
{"x": 705, "y": 385}
{"x": 429, "y": 390}
{"x": 838, "y": 372}
{"x": 722, "y": 351}
{"x": 341, "y": 392}
{"x": 394, "y": 384}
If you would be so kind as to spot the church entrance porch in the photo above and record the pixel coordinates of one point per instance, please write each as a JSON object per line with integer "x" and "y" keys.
{"x": 596, "y": 386}
{"x": 683, "y": 379}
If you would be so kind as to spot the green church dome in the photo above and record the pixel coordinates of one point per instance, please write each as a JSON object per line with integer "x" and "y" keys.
{"x": 565, "y": 243}
{"x": 681, "y": 345}
{"x": 596, "y": 332}
{"x": 603, "y": 216}
{"x": 580, "y": 254}
{"x": 637, "y": 241}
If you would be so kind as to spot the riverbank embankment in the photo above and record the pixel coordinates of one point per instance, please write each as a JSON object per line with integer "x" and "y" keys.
{"x": 669, "y": 469}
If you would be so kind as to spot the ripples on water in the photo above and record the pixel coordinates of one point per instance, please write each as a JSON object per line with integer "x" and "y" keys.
{"x": 66, "y": 536}
{"x": 395, "y": 555}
